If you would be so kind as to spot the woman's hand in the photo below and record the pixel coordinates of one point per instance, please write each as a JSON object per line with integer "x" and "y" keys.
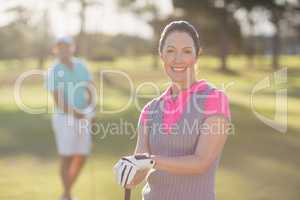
{"x": 127, "y": 168}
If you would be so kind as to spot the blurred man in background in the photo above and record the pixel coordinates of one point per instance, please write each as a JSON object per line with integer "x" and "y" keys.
{"x": 69, "y": 82}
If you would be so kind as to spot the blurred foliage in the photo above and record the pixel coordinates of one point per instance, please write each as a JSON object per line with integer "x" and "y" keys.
{"x": 29, "y": 35}
{"x": 108, "y": 47}
{"x": 226, "y": 27}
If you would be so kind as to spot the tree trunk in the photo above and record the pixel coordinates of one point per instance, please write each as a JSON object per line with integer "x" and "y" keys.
{"x": 80, "y": 44}
{"x": 41, "y": 62}
{"x": 224, "y": 42}
{"x": 156, "y": 35}
{"x": 155, "y": 51}
{"x": 276, "y": 43}
{"x": 251, "y": 48}
{"x": 43, "y": 46}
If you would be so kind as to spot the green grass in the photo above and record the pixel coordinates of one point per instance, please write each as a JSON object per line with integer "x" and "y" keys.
{"x": 258, "y": 162}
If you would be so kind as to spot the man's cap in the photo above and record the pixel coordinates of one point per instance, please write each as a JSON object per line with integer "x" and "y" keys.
{"x": 65, "y": 40}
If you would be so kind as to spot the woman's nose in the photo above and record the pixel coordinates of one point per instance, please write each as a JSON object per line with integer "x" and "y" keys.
{"x": 178, "y": 58}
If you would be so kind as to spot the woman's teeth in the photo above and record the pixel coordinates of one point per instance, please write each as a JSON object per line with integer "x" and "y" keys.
{"x": 178, "y": 69}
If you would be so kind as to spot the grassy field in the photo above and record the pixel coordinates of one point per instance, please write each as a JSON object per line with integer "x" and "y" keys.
{"x": 258, "y": 162}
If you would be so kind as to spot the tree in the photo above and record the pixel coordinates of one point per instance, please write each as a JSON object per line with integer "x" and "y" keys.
{"x": 81, "y": 47}
{"x": 18, "y": 32}
{"x": 277, "y": 9}
{"x": 219, "y": 13}
{"x": 24, "y": 37}
{"x": 43, "y": 40}
{"x": 149, "y": 11}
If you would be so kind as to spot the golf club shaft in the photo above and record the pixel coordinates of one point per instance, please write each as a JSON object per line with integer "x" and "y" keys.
{"x": 127, "y": 193}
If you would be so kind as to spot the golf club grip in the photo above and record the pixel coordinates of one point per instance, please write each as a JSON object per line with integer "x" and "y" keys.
{"x": 127, "y": 193}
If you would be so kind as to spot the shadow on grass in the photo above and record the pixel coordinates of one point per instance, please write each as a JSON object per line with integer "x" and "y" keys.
{"x": 266, "y": 158}
{"x": 22, "y": 133}
{"x": 293, "y": 72}
{"x": 252, "y": 137}
{"x": 259, "y": 154}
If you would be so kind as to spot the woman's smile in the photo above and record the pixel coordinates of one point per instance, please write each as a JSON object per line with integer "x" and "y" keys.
{"x": 179, "y": 69}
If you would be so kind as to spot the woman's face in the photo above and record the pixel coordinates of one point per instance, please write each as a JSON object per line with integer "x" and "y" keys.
{"x": 179, "y": 57}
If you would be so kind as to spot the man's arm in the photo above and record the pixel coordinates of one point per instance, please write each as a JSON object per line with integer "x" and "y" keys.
{"x": 91, "y": 92}
{"x": 64, "y": 106}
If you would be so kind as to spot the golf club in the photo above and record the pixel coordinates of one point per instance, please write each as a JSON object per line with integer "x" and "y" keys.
{"x": 127, "y": 194}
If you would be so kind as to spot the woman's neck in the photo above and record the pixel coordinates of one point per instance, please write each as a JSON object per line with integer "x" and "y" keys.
{"x": 177, "y": 87}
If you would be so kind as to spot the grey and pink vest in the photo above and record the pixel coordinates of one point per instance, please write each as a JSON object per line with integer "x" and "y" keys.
{"x": 180, "y": 139}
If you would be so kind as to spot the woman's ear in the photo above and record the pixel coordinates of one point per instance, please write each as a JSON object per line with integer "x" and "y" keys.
{"x": 199, "y": 52}
{"x": 160, "y": 55}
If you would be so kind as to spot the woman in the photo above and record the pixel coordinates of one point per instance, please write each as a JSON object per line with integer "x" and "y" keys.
{"x": 69, "y": 82}
{"x": 183, "y": 131}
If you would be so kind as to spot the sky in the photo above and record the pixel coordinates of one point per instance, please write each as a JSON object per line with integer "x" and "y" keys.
{"x": 108, "y": 18}
{"x": 103, "y": 18}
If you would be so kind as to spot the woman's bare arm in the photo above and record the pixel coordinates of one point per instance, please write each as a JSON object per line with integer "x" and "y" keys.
{"x": 208, "y": 148}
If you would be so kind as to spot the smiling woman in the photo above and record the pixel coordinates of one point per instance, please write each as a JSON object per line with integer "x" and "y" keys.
{"x": 182, "y": 132}
{"x": 179, "y": 48}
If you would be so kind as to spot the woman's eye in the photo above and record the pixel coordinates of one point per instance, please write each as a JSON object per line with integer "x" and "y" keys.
{"x": 188, "y": 51}
{"x": 170, "y": 51}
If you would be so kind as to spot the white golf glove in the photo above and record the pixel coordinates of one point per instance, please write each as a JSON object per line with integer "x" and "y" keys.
{"x": 127, "y": 166}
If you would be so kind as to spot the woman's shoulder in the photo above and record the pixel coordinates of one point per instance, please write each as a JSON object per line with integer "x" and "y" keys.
{"x": 217, "y": 103}
{"x": 212, "y": 89}
{"x": 150, "y": 107}
{"x": 150, "y": 104}
{"x": 216, "y": 94}
{"x": 155, "y": 101}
